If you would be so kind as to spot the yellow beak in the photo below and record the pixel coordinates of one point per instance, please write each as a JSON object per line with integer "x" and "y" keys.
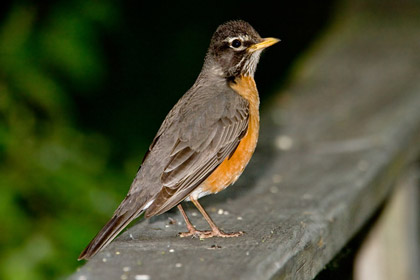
{"x": 266, "y": 42}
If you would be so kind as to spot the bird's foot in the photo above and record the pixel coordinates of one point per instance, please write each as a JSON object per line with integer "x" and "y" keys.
{"x": 210, "y": 233}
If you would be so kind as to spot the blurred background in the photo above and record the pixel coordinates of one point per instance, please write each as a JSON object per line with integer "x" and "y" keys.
{"x": 84, "y": 86}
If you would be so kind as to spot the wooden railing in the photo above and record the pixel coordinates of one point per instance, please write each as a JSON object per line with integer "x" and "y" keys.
{"x": 332, "y": 147}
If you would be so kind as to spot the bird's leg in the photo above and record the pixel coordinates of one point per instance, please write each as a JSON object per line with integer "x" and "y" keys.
{"x": 215, "y": 231}
{"x": 192, "y": 231}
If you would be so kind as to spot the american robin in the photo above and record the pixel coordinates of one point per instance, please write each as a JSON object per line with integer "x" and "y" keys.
{"x": 205, "y": 141}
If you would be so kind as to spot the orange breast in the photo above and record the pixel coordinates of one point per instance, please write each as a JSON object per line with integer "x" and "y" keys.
{"x": 230, "y": 169}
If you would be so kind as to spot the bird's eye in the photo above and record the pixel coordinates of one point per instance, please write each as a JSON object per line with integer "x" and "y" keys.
{"x": 236, "y": 43}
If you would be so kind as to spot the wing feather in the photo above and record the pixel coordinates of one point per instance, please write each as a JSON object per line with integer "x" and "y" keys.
{"x": 191, "y": 163}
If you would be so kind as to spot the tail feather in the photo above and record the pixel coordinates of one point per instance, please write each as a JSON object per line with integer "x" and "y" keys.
{"x": 107, "y": 234}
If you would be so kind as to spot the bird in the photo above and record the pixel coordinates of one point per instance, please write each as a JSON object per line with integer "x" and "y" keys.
{"x": 205, "y": 141}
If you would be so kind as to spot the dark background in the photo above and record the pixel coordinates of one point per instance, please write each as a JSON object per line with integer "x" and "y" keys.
{"x": 84, "y": 86}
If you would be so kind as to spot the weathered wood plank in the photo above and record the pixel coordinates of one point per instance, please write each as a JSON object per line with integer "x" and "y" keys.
{"x": 330, "y": 149}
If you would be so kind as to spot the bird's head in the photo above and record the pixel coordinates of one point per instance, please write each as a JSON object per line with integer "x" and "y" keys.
{"x": 235, "y": 49}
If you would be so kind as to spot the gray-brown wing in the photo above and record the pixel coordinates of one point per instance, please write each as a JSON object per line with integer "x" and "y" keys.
{"x": 196, "y": 154}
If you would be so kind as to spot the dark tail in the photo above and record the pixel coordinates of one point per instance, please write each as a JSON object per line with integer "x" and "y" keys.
{"x": 107, "y": 234}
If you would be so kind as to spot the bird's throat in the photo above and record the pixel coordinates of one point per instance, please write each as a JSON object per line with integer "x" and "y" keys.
{"x": 245, "y": 86}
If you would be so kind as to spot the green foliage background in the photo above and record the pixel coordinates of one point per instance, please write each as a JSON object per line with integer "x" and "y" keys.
{"x": 51, "y": 172}
{"x": 81, "y": 96}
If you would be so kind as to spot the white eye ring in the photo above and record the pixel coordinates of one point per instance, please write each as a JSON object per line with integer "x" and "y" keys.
{"x": 236, "y": 43}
